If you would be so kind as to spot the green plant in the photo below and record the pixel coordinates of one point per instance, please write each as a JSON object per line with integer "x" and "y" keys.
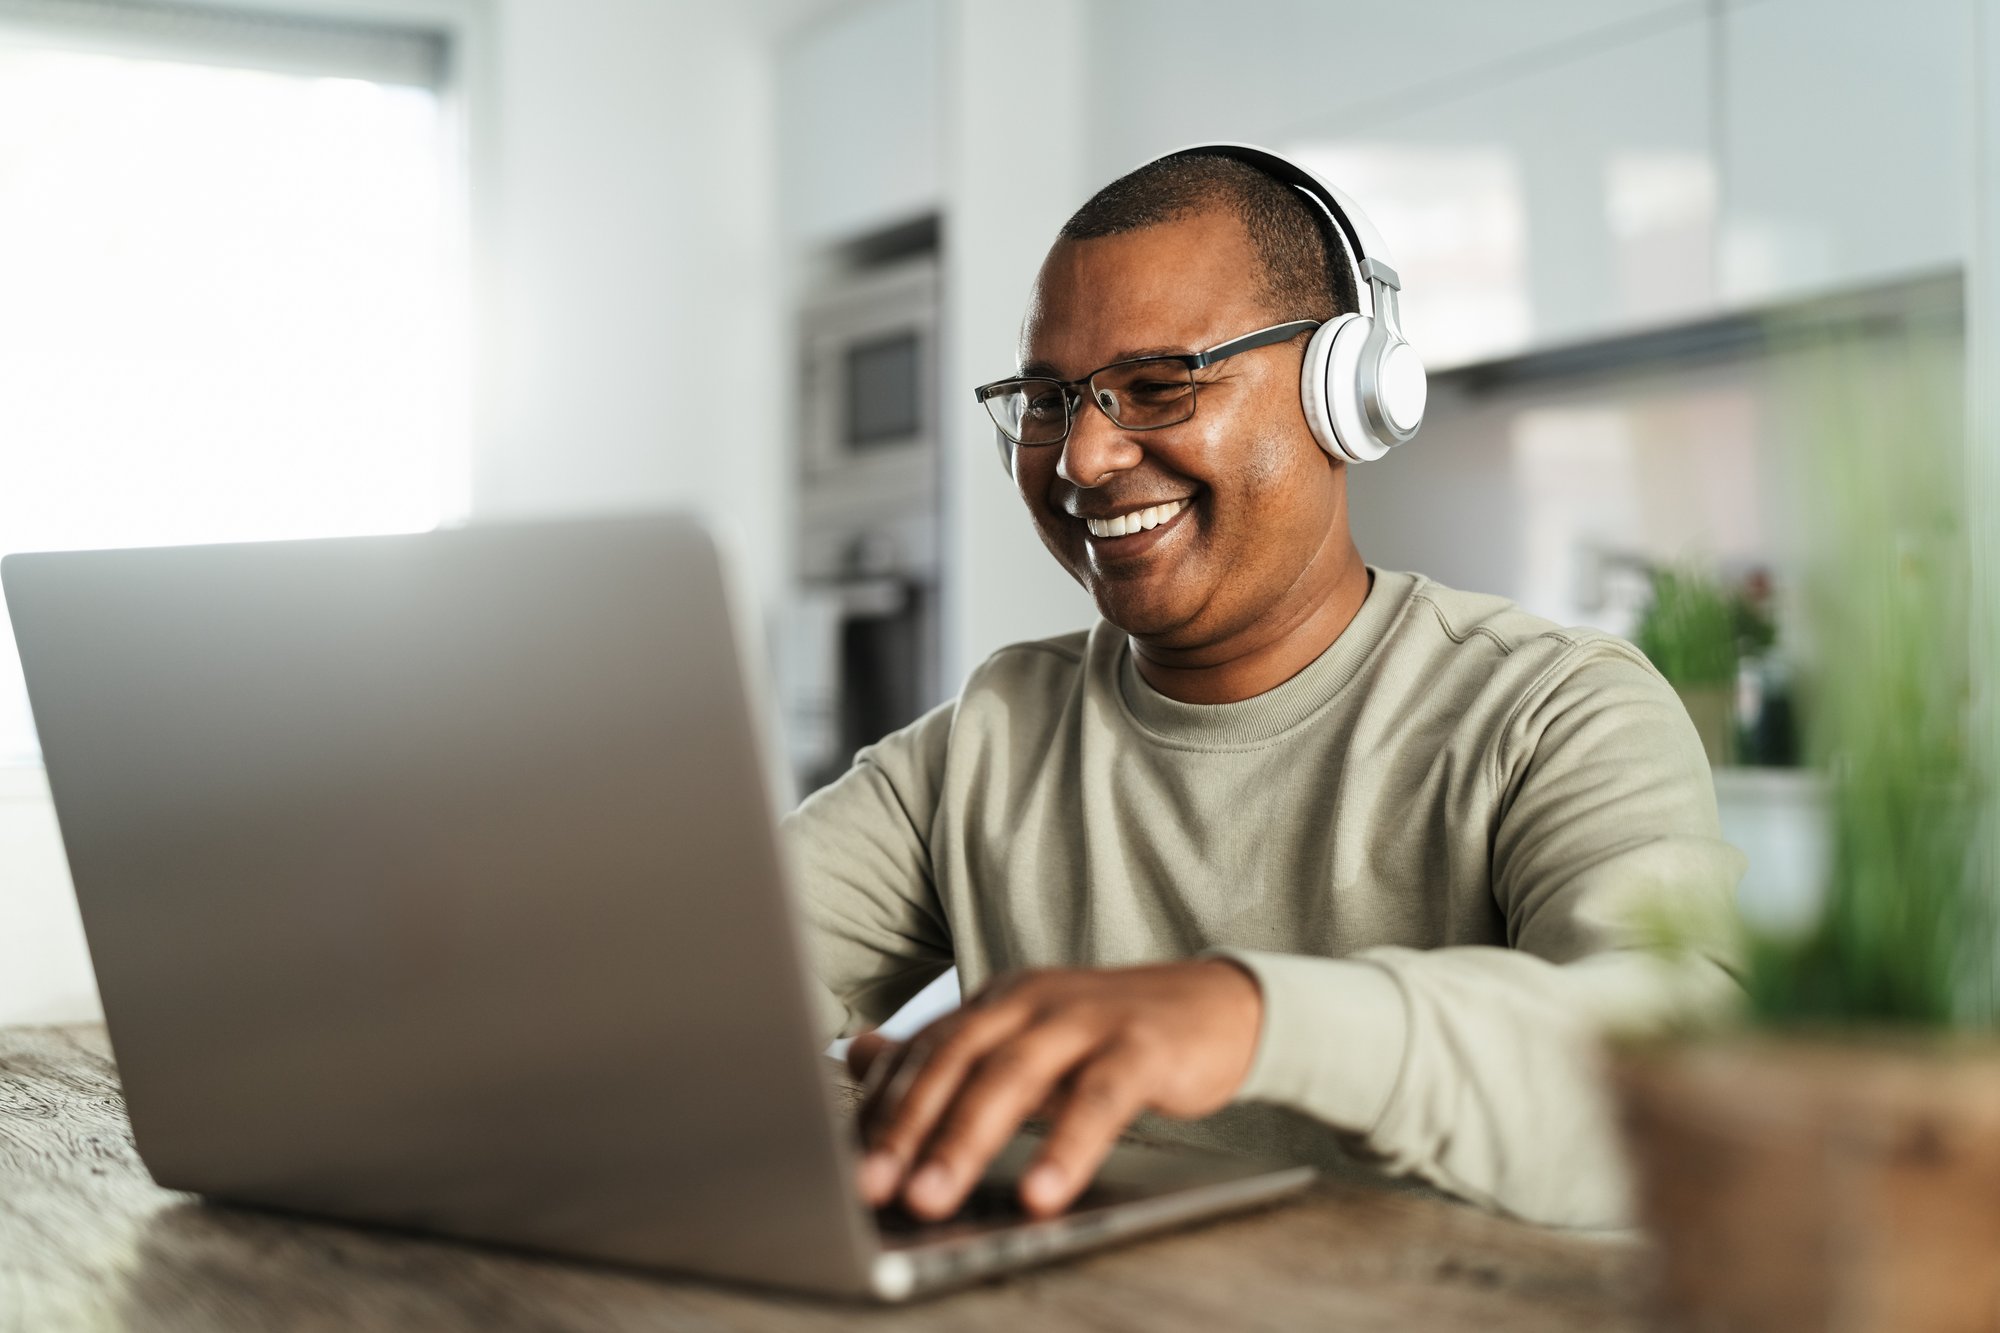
{"x": 1906, "y": 935}
{"x": 1689, "y": 629}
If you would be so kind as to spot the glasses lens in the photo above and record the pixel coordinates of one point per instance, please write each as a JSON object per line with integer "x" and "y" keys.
{"x": 1030, "y": 411}
{"x": 1145, "y": 395}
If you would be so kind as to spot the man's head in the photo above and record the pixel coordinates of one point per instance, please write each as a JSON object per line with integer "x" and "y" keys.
{"x": 1178, "y": 256}
{"x": 1297, "y": 275}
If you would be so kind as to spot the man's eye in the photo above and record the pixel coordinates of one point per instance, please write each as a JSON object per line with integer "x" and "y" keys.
{"x": 1158, "y": 391}
{"x": 1045, "y": 405}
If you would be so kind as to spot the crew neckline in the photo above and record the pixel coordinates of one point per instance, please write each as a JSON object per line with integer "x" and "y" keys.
{"x": 1265, "y": 717}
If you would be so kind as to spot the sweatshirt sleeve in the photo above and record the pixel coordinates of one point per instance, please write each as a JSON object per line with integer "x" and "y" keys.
{"x": 1478, "y": 1069}
{"x": 875, "y": 932}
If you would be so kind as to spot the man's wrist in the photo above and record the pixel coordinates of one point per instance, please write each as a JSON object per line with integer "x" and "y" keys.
{"x": 1246, "y": 1020}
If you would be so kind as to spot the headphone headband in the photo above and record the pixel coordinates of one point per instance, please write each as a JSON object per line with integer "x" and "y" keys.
{"x": 1367, "y": 254}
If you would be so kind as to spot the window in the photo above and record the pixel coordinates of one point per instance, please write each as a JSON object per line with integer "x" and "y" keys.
{"x": 229, "y": 284}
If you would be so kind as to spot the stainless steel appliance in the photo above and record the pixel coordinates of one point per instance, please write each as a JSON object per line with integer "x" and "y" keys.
{"x": 862, "y": 650}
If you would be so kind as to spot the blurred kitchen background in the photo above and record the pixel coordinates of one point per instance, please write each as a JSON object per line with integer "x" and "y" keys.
{"x": 277, "y": 268}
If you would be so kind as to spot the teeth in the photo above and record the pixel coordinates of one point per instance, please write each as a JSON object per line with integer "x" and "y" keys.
{"x": 1136, "y": 521}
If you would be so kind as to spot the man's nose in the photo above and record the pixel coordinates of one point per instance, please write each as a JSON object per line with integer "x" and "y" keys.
{"x": 1096, "y": 447}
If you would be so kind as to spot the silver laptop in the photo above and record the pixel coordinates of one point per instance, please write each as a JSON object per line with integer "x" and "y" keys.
{"x": 431, "y": 881}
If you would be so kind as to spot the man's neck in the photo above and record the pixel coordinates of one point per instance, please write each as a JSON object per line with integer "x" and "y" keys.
{"x": 1281, "y": 650}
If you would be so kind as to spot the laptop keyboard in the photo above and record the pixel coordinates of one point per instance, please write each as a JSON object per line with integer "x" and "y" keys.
{"x": 990, "y": 1205}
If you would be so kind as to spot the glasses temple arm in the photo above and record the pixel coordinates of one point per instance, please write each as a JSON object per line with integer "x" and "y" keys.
{"x": 1276, "y": 333}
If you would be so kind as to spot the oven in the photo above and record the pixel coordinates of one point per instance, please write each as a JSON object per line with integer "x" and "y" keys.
{"x": 864, "y": 638}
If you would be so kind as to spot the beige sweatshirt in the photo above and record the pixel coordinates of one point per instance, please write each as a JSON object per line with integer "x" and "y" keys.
{"x": 1437, "y": 848}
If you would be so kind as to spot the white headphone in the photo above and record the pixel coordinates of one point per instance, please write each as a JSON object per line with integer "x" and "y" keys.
{"x": 1362, "y": 385}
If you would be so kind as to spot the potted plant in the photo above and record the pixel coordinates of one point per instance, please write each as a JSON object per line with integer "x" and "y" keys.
{"x": 1689, "y": 631}
{"x": 1833, "y": 1163}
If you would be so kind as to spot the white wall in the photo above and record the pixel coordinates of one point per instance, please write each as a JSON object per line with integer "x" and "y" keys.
{"x": 859, "y": 129}
{"x": 633, "y": 344}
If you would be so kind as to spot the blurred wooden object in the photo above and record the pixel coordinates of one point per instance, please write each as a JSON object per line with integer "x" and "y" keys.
{"x": 87, "y": 1241}
{"x": 1820, "y": 1185}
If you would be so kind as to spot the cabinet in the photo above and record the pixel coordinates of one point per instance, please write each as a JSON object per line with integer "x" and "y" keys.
{"x": 1707, "y": 159}
{"x": 1549, "y": 205}
{"x": 1847, "y": 143}
{"x": 1169, "y": 72}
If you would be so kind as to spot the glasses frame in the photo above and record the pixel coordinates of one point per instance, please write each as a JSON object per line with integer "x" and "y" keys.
{"x": 1072, "y": 390}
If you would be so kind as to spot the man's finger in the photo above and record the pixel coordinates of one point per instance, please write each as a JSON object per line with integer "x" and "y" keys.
{"x": 864, "y": 1051}
{"x": 998, "y": 1094}
{"x": 1105, "y": 1096}
{"x": 927, "y": 1080}
{"x": 891, "y": 1078}
{"x": 876, "y": 1177}
{"x": 880, "y": 1066}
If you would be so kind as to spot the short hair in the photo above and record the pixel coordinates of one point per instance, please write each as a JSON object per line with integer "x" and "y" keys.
{"x": 1290, "y": 233}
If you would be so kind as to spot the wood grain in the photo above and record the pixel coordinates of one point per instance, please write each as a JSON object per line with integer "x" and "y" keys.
{"x": 1801, "y": 1183}
{"x": 88, "y": 1242}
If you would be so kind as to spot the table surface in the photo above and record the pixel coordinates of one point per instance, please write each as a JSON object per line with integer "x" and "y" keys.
{"x": 87, "y": 1241}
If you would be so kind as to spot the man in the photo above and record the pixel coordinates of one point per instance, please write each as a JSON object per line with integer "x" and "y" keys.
{"x": 1352, "y": 865}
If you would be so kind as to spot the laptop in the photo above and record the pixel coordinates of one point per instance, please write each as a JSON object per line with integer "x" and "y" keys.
{"x": 432, "y": 882}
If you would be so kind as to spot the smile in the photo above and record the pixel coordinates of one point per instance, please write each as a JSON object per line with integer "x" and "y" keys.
{"x": 1139, "y": 520}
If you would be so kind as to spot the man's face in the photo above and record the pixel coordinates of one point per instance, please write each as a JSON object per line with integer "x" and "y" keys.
{"x": 1263, "y": 503}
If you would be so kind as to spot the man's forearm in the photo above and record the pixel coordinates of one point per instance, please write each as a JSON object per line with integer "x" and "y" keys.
{"x": 1477, "y": 1070}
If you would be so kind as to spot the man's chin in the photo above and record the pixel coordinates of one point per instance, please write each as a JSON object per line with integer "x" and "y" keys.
{"x": 1138, "y": 611}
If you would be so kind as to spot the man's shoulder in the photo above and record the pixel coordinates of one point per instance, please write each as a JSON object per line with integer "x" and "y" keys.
{"x": 1032, "y": 653}
{"x": 1509, "y": 672}
{"x": 1033, "y": 666}
{"x": 1496, "y": 626}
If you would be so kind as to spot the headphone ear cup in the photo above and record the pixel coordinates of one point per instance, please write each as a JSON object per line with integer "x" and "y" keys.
{"x": 1330, "y": 390}
{"x": 1312, "y": 384}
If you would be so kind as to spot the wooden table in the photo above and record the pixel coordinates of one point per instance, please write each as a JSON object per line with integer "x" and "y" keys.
{"x": 87, "y": 1241}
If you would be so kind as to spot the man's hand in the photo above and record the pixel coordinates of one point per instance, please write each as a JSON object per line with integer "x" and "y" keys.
{"x": 1090, "y": 1049}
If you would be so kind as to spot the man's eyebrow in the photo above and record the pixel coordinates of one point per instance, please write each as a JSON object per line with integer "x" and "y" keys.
{"x": 1044, "y": 370}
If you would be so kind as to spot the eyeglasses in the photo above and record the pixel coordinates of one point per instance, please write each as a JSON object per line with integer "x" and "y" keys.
{"x": 1145, "y": 393}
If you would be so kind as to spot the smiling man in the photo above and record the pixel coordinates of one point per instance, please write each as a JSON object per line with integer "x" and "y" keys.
{"x": 1308, "y": 858}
